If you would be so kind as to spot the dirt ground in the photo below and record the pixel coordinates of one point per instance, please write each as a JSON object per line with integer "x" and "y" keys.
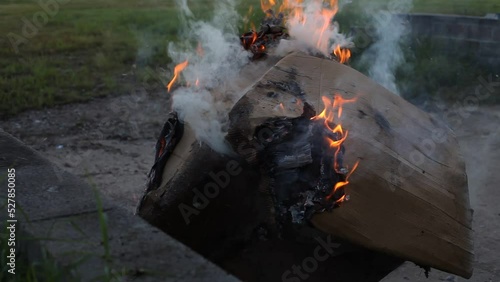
{"x": 480, "y": 143}
{"x": 110, "y": 142}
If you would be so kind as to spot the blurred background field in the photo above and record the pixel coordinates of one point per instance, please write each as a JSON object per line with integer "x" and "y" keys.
{"x": 93, "y": 48}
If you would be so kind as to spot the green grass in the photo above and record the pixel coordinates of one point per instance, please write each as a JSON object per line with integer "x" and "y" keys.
{"x": 83, "y": 51}
{"x": 90, "y": 48}
{"x": 427, "y": 71}
{"x": 41, "y": 268}
{"x": 76, "y": 54}
{"x": 460, "y": 7}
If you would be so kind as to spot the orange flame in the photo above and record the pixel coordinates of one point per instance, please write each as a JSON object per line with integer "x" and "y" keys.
{"x": 327, "y": 16}
{"x": 177, "y": 70}
{"x": 341, "y": 184}
{"x": 248, "y": 17}
{"x": 267, "y": 4}
{"x": 342, "y": 54}
{"x": 332, "y": 111}
{"x": 254, "y": 37}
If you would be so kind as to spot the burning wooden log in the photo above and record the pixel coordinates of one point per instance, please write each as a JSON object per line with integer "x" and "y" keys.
{"x": 409, "y": 196}
{"x": 175, "y": 199}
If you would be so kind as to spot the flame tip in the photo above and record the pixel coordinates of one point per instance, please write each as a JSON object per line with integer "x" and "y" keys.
{"x": 177, "y": 70}
{"x": 327, "y": 115}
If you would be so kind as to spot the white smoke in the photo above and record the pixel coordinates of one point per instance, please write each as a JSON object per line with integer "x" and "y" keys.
{"x": 203, "y": 103}
{"x": 314, "y": 28}
{"x": 385, "y": 55}
{"x": 215, "y": 57}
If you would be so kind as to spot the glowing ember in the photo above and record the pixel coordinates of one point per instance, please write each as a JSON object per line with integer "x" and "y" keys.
{"x": 280, "y": 108}
{"x": 177, "y": 70}
{"x": 332, "y": 111}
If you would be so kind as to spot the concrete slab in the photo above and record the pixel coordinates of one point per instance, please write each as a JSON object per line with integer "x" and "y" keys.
{"x": 410, "y": 272}
{"x": 60, "y": 212}
{"x": 48, "y": 191}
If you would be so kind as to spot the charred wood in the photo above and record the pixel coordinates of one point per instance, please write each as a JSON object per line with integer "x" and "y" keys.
{"x": 170, "y": 136}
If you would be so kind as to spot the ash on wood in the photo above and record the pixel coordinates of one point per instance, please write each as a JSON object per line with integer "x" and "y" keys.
{"x": 409, "y": 196}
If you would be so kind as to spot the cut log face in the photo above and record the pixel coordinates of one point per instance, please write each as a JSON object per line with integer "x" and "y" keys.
{"x": 175, "y": 199}
{"x": 409, "y": 195}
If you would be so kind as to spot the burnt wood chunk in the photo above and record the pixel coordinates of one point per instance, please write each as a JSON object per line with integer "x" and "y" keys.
{"x": 170, "y": 136}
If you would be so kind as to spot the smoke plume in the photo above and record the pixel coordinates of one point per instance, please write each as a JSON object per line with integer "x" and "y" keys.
{"x": 214, "y": 56}
{"x": 317, "y": 30}
{"x": 311, "y": 27}
{"x": 390, "y": 30}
